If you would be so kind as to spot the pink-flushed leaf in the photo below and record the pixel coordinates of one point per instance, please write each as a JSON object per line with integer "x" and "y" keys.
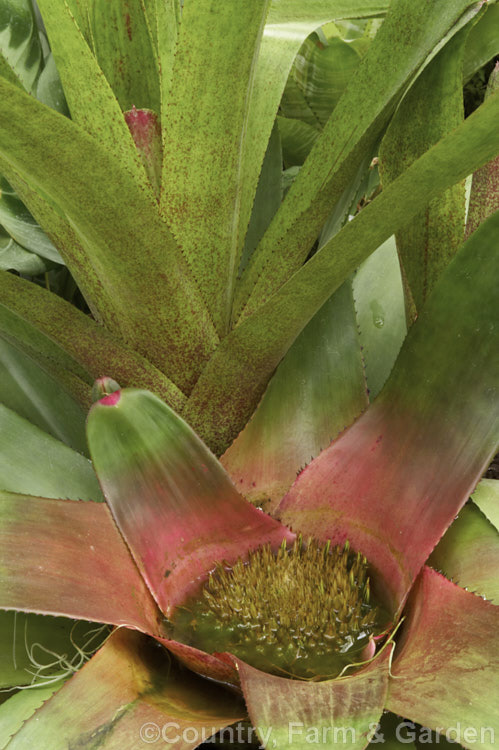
{"x": 172, "y": 500}
{"x": 146, "y": 133}
{"x": 446, "y": 667}
{"x": 394, "y": 481}
{"x": 62, "y": 557}
{"x": 130, "y": 695}
{"x": 318, "y": 389}
{"x": 468, "y": 553}
{"x": 218, "y": 667}
{"x": 297, "y": 714}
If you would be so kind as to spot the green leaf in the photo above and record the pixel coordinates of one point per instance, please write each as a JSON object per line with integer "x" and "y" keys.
{"x": 486, "y": 496}
{"x": 408, "y": 35}
{"x": 19, "y": 708}
{"x": 37, "y": 396}
{"x": 483, "y": 42}
{"x": 19, "y": 41}
{"x": 296, "y": 714}
{"x": 66, "y": 240}
{"x": 163, "y": 21}
{"x": 171, "y": 499}
{"x": 297, "y": 139}
{"x": 22, "y": 227}
{"x": 445, "y": 670}
{"x": 323, "y": 68}
{"x": 379, "y": 304}
{"x": 204, "y": 140}
{"x": 30, "y": 338}
{"x": 317, "y": 391}
{"x": 49, "y": 89}
{"x": 130, "y": 694}
{"x": 80, "y": 11}
{"x": 267, "y": 199}
{"x": 468, "y": 553}
{"x": 13, "y": 257}
{"x": 159, "y": 313}
{"x": 7, "y": 72}
{"x": 294, "y": 105}
{"x": 235, "y": 377}
{"x": 45, "y": 324}
{"x": 347, "y": 206}
{"x": 289, "y": 23}
{"x": 91, "y": 101}
{"x": 484, "y": 196}
{"x": 38, "y": 648}
{"x": 33, "y": 462}
{"x": 122, "y": 45}
{"x": 61, "y": 557}
{"x": 432, "y": 108}
{"x": 293, "y": 12}
{"x": 391, "y": 733}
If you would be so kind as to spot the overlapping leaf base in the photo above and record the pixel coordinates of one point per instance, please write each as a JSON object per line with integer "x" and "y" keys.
{"x": 301, "y": 612}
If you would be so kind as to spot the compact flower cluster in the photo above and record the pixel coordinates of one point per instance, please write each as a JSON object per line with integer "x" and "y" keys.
{"x": 303, "y": 611}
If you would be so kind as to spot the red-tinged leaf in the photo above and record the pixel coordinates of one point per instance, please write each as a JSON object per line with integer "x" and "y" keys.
{"x": 294, "y": 714}
{"x": 62, "y": 557}
{"x": 468, "y": 554}
{"x": 394, "y": 481}
{"x": 446, "y": 668}
{"x": 128, "y": 696}
{"x": 173, "y": 502}
{"x": 208, "y": 665}
{"x": 146, "y": 133}
{"x": 318, "y": 390}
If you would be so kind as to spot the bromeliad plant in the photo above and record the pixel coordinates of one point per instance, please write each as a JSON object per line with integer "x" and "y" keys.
{"x": 177, "y": 553}
{"x": 163, "y": 196}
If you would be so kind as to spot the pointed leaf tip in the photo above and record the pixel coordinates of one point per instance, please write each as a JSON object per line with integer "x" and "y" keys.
{"x": 173, "y": 502}
{"x": 145, "y": 129}
{"x": 104, "y": 387}
{"x": 111, "y": 399}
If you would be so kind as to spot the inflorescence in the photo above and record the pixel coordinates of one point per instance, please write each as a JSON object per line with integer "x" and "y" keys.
{"x": 302, "y": 612}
